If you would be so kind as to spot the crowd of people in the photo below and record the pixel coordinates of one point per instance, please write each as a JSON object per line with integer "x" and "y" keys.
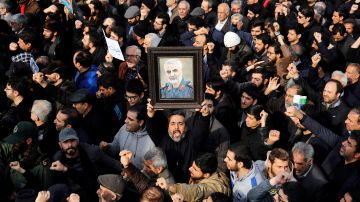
{"x": 280, "y": 118}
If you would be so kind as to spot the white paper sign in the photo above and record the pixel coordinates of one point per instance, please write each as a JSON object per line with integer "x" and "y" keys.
{"x": 114, "y": 48}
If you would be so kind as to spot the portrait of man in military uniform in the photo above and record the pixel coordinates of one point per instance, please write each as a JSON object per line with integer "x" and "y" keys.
{"x": 176, "y": 86}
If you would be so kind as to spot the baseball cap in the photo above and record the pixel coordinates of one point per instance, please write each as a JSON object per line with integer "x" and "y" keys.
{"x": 67, "y": 134}
{"x": 112, "y": 182}
{"x": 22, "y": 130}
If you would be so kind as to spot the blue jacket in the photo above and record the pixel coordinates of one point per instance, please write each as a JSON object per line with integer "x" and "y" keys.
{"x": 87, "y": 80}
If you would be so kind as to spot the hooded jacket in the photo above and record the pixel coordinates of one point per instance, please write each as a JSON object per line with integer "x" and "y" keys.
{"x": 136, "y": 142}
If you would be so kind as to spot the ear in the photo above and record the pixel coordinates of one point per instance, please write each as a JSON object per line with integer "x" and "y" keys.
{"x": 16, "y": 93}
{"x": 298, "y": 36}
{"x": 68, "y": 126}
{"x": 55, "y": 33}
{"x": 233, "y": 74}
{"x": 256, "y": 15}
{"x": 142, "y": 95}
{"x": 28, "y": 141}
{"x": 240, "y": 164}
{"x": 266, "y": 46}
{"x": 159, "y": 169}
{"x": 255, "y": 102}
{"x": 206, "y": 175}
{"x": 113, "y": 196}
{"x": 357, "y": 155}
{"x": 142, "y": 122}
{"x": 266, "y": 81}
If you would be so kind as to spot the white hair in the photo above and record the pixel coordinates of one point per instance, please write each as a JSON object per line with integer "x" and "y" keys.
{"x": 185, "y": 3}
{"x": 42, "y": 109}
{"x": 343, "y": 78}
{"x": 154, "y": 39}
{"x": 173, "y": 61}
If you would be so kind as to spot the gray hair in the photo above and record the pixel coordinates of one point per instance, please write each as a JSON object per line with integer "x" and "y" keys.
{"x": 6, "y": 5}
{"x": 236, "y": 2}
{"x": 138, "y": 51}
{"x": 19, "y": 19}
{"x": 237, "y": 15}
{"x": 343, "y": 78}
{"x": 42, "y": 109}
{"x": 356, "y": 65}
{"x": 305, "y": 149}
{"x": 185, "y": 3}
{"x": 157, "y": 156}
{"x": 154, "y": 38}
{"x": 226, "y": 6}
{"x": 319, "y": 8}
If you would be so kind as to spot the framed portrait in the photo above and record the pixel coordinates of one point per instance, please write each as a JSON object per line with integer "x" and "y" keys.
{"x": 175, "y": 77}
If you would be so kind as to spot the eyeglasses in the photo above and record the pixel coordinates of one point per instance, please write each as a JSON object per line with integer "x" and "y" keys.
{"x": 130, "y": 97}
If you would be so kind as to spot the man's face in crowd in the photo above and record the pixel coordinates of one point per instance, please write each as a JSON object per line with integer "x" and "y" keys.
{"x": 133, "y": 98}
{"x": 336, "y": 18}
{"x": 81, "y": 107}
{"x": 300, "y": 165}
{"x": 235, "y": 8}
{"x": 195, "y": 172}
{"x": 105, "y": 194}
{"x": 329, "y": 93}
{"x": 301, "y": 19}
{"x": 289, "y": 96}
{"x": 200, "y": 41}
{"x": 247, "y": 101}
{"x": 338, "y": 37}
{"x": 205, "y": 6}
{"x": 210, "y": 105}
{"x": 132, "y": 123}
{"x": 86, "y": 42}
{"x": 15, "y": 27}
{"x": 158, "y": 25}
{"x": 348, "y": 149}
{"x": 69, "y": 147}
{"x": 235, "y": 20}
{"x": 251, "y": 121}
{"x": 52, "y": 78}
{"x": 230, "y": 161}
{"x": 278, "y": 166}
{"x": 349, "y": 28}
{"x": 105, "y": 92}
{"x": 48, "y": 34}
{"x": 250, "y": 15}
{"x": 222, "y": 12}
{"x": 147, "y": 44}
{"x": 182, "y": 10}
{"x": 173, "y": 73}
{"x": 10, "y": 93}
{"x": 292, "y": 36}
{"x": 133, "y": 21}
{"x": 177, "y": 127}
{"x": 60, "y": 121}
{"x": 271, "y": 54}
{"x": 132, "y": 59}
{"x": 352, "y": 74}
{"x": 150, "y": 169}
{"x": 259, "y": 46}
{"x": 352, "y": 121}
{"x": 255, "y": 31}
{"x": 257, "y": 79}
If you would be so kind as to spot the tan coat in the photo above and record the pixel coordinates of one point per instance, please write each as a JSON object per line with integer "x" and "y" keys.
{"x": 217, "y": 182}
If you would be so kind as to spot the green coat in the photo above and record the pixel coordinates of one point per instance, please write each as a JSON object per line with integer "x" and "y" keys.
{"x": 37, "y": 167}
